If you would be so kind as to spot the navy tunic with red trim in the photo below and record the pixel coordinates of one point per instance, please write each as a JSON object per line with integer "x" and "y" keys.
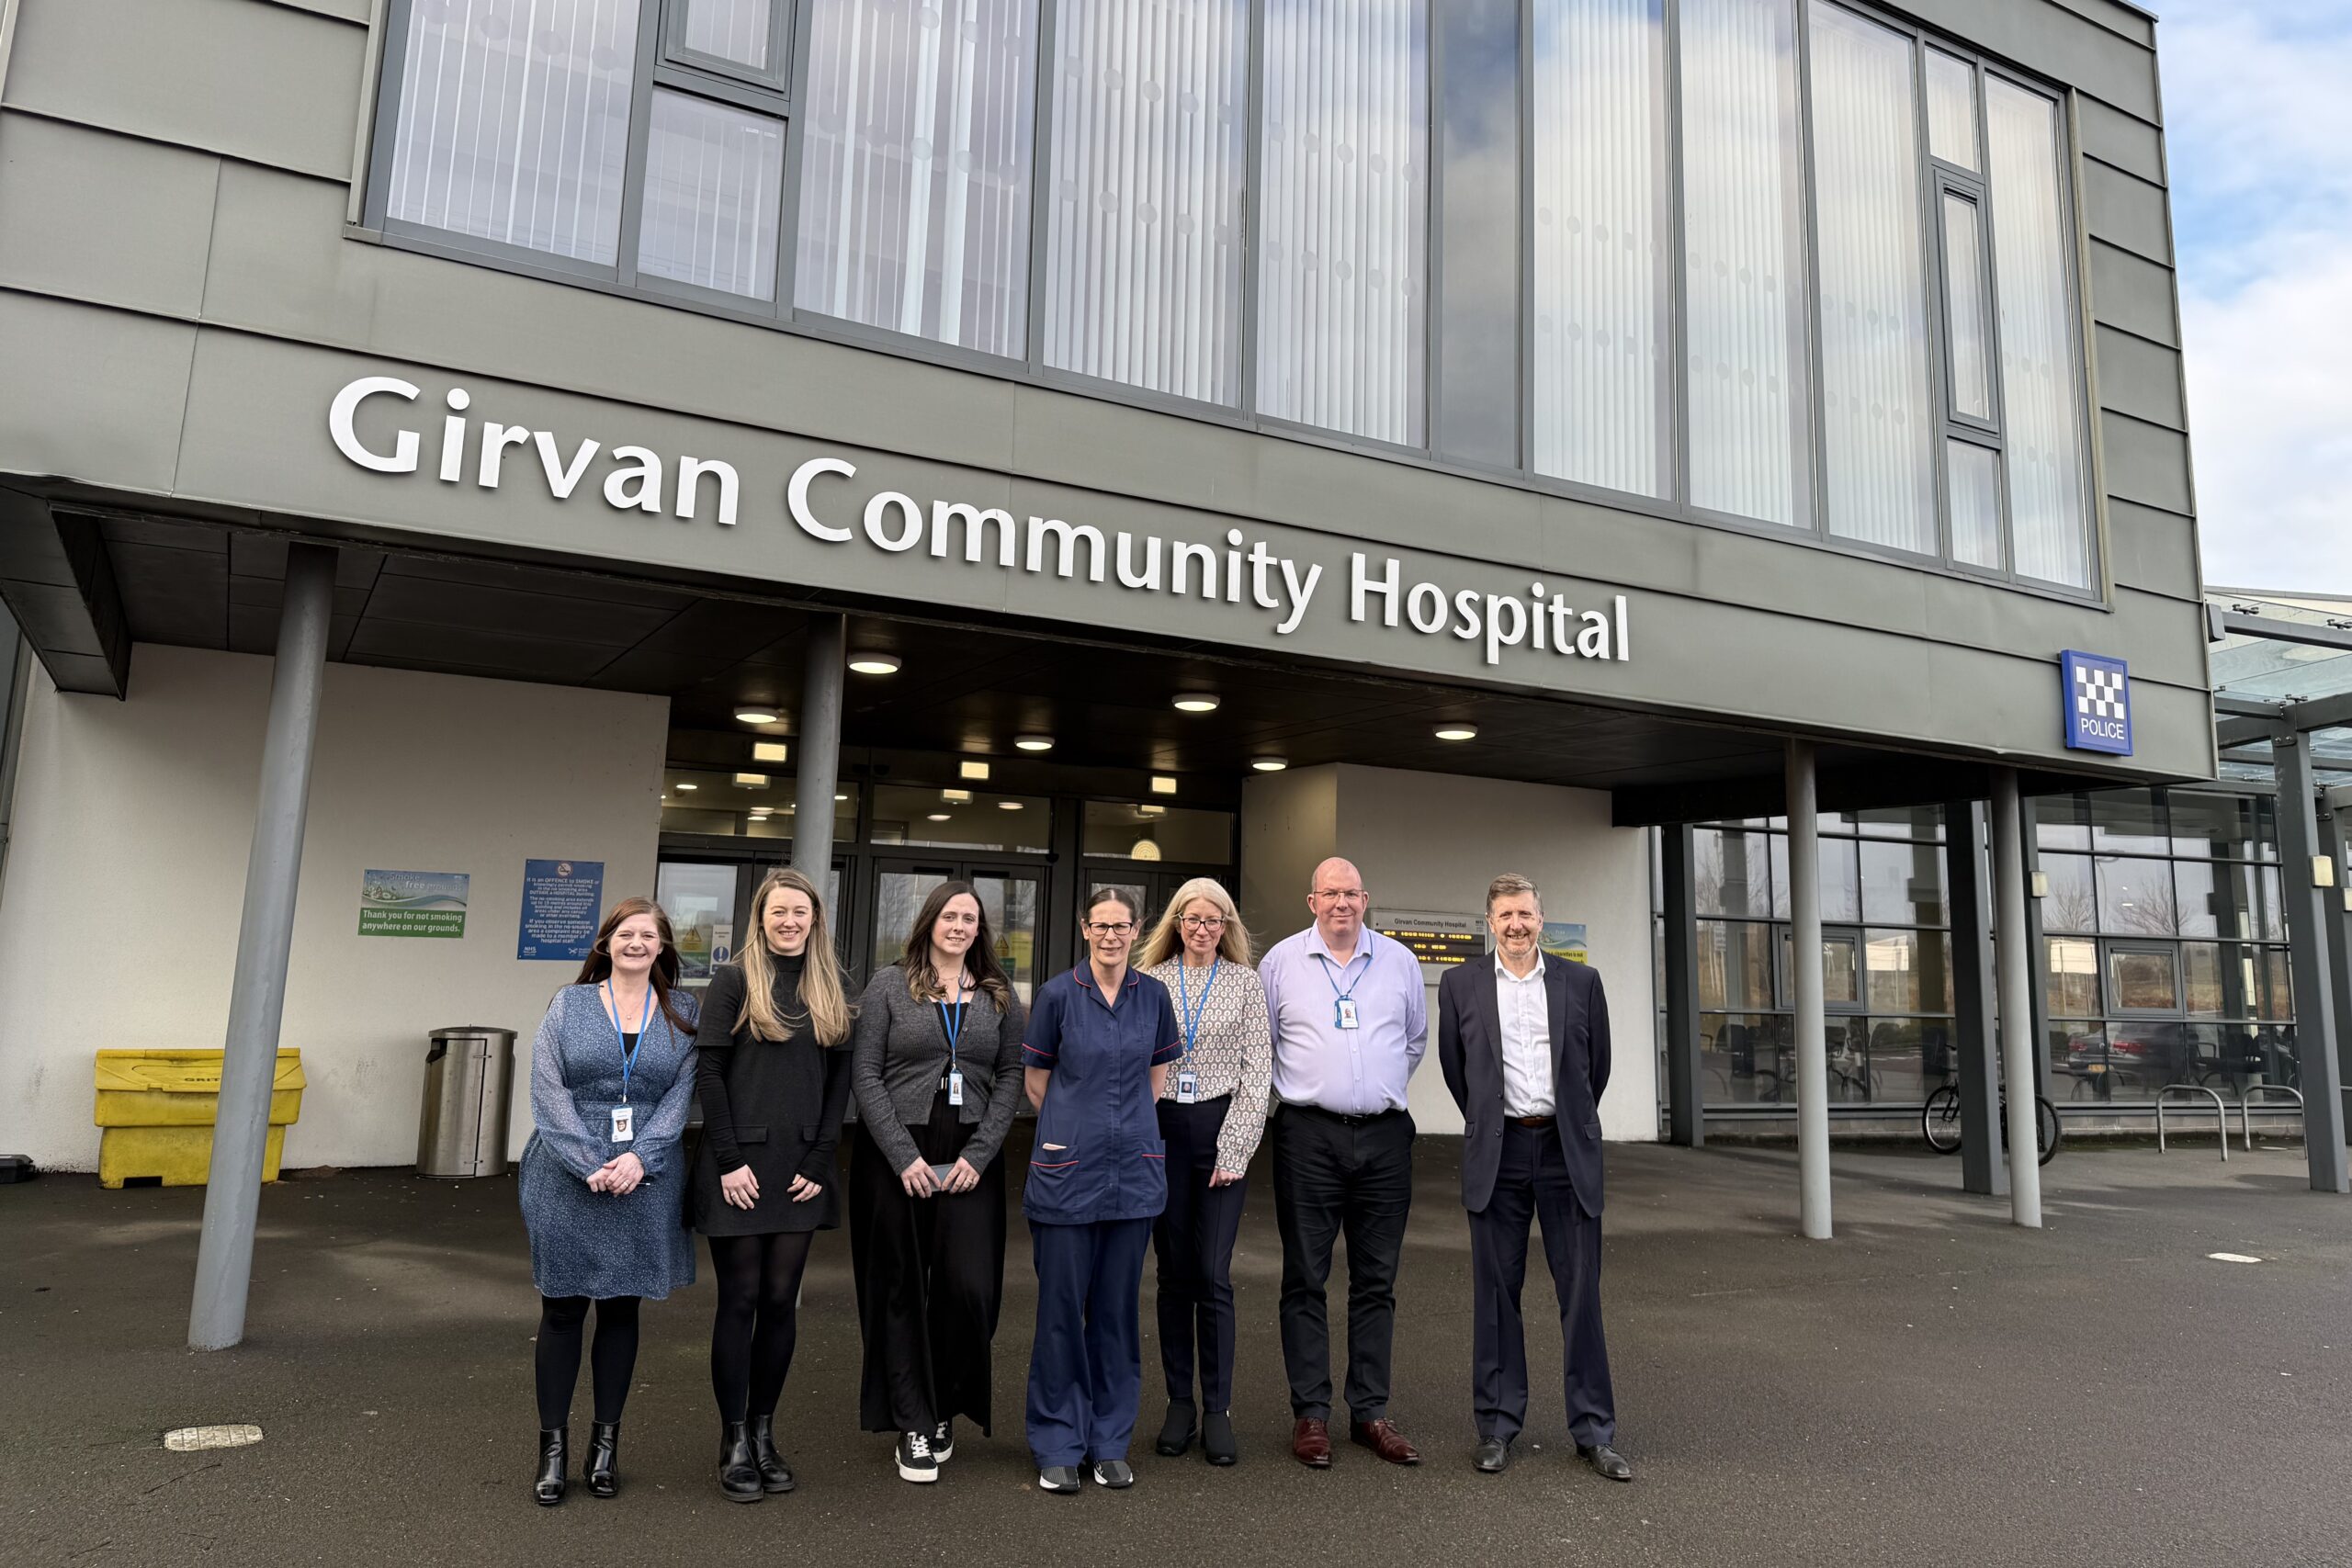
{"x": 1098, "y": 1153}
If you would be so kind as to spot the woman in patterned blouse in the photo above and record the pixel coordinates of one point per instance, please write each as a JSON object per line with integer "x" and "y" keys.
{"x": 1211, "y": 1115}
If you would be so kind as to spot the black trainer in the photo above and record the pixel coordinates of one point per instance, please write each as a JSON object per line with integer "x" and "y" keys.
{"x": 916, "y": 1461}
{"x": 1057, "y": 1478}
{"x": 942, "y": 1440}
{"x": 1114, "y": 1474}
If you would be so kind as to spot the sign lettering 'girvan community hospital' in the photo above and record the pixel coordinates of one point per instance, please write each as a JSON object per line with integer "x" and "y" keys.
{"x": 638, "y": 480}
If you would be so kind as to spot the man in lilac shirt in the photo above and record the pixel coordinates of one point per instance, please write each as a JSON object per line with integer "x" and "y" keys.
{"x": 1350, "y": 1020}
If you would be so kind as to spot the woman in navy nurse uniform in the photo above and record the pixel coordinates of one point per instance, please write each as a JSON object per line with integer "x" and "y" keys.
{"x": 1096, "y": 1058}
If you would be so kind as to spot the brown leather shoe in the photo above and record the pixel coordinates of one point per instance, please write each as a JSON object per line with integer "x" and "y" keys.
{"x": 1383, "y": 1439}
{"x": 1310, "y": 1443}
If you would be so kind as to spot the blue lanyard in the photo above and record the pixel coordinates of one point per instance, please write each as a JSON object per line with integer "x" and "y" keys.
{"x": 1324, "y": 959}
{"x": 952, "y": 1026}
{"x": 1191, "y": 1015}
{"x": 628, "y": 1051}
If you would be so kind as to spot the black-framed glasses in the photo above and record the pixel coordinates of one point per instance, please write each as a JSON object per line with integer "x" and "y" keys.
{"x": 1110, "y": 927}
{"x": 1202, "y": 922}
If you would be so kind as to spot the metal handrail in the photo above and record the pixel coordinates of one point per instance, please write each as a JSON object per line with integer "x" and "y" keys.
{"x": 2221, "y": 1113}
{"x": 2246, "y": 1097}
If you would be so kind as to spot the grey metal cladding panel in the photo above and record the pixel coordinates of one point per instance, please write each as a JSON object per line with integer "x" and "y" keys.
{"x": 2124, "y": 19}
{"x": 90, "y": 393}
{"x": 2113, "y": 137}
{"x": 2133, "y": 293}
{"x": 2162, "y": 639}
{"x": 264, "y": 82}
{"x": 281, "y": 265}
{"x": 2153, "y": 550}
{"x": 2127, "y": 210}
{"x": 2146, "y": 463}
{"x": 2053, "y": 42}
{"x": 256, "y": 437}
{"x": 2141, "y": 378}
{"x": 2172, "y": 730}
{"x": 100, "y": 217}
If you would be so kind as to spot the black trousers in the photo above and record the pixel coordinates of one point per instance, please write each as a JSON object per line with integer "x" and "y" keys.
{"x": 1330, "y": 1180}
{"x": 1194, "y": 1238}
{"x": 1532, "y": 1182}
{"x": 930, "y": 1281}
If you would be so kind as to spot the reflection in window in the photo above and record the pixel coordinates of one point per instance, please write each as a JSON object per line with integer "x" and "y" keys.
{"x": 1743, "y": 264}
{"x": 2135, "y": 896}
{"x": 1144, "y": 190}
{"x": 517, "y": 134}
{"x": 1478, "y": 340}
{"x": 960, "y": 818}
{"x": 1343, "y": 193}
{"x": 1602, "y": 317}
{"x": 2141, "y": 978}
{"x": 1128, "y": 831}
{"x": 1974, "y": 479}
{"x": 1733, "y": 873}
{"x": 714, "y": 176}
{"x": 2071, "y": 974}
{"x": 1906, "y": 972}
{"x": 1875, "y": 401}
{"x": 1952, "y": 109}
{"x": 1840, "y": 879}
{"x": 745, "y": 805}
{"x": 2071, "y": 904}
{"x": 914, "y": 183}
{"x": 734, "y": 31}
{"x": 1903, "y": 883}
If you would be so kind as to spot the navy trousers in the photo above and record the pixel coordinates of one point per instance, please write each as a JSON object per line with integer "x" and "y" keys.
{"x": 1532, "y": 1182}
{"x": 1086, "y": 1366}
{"x": 1194, "y": 1238}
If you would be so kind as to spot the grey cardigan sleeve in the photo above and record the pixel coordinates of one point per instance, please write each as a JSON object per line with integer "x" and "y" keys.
{"x": 1004, "y": 1088}
{"x": 869, "y": 1047}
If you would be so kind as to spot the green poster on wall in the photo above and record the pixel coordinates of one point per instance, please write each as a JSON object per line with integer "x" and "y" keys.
{"x": 413, "y": 903}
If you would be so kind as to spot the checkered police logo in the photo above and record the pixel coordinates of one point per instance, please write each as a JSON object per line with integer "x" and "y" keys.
{"x": 2098, "y": 703}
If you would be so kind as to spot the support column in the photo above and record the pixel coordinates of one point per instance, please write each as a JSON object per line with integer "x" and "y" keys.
{"x": 1804, "y": 962}
{"x": 2320, "y": 1076}
{"x": 2338, "y": 924}
{"x": 2030, "y": 836}
{"x": 820, "y": 748}
{"x": 1976, "y": 1062}
{"x": 265, "y": 937}
{"x": 1686, "y": 1085}
{"x": 2013, "y": 968}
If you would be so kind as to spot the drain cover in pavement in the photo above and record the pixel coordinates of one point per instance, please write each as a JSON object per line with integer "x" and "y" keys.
{"x": 192, "y": 1440}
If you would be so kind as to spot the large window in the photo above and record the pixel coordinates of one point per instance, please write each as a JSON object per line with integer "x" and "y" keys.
{"x": 1780, "y": 264}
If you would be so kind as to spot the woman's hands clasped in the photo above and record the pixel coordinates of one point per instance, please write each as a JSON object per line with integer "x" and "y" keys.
{"x": 620, "y": 1175}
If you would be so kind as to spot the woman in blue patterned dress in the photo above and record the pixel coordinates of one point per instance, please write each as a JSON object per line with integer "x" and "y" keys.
{"x": 612, "y": 1075}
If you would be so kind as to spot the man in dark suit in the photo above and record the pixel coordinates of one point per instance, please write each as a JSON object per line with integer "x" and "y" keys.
{"x": 1524, "y": 1044}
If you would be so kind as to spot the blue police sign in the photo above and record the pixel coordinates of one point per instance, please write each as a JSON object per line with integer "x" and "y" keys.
{"x": 2097, "y": 693}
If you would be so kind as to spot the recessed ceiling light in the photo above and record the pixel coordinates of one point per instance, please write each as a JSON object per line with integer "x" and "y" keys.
{"x": 971, "y": 770}
{"x": 1270, "y": 764}
{"x": 1457, "y": 732}
{"x": 754, "y": 716}
{"x": 1162, "y": 785}
{"x": 938, "y": 815}
{"x": 1033, "y": 742}
{"x": 750, "y": 781}
{"x": 841, "y": 797}
{"x": 770, "y": 751}
{"x": 1008, "y": 806}
{"x": 1149, "y": 812}
{"x": 1196, "y": 702}
{"x": 689, "y": 786}
{"x": 874, "y": 662}
{"x": 956, "y": 796}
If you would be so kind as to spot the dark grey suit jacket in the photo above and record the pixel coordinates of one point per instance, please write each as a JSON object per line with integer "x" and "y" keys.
{"x": 1470, "y": 1049}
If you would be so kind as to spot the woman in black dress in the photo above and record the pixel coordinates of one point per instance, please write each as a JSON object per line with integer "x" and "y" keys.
{"x": 774, "y": 1088}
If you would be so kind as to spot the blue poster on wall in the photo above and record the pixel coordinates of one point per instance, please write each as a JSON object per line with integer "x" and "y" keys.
{"x": 562, "y": 901}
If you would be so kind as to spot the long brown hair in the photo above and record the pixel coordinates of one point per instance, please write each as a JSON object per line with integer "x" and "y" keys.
{"x": 980, "y": 960}
{"x": 822, "y": 991}
{"x": 665, "y": 963}
{"x": 1167, "y": 937}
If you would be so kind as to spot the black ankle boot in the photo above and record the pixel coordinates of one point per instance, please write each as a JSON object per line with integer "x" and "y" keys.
{"x": 1176, "y": 1432}
{"x": 555, "y": 1457}
{"x": 603, "y": 1454}
{"x": 775, "y": 1474}
{"x": 738, "y": 1471}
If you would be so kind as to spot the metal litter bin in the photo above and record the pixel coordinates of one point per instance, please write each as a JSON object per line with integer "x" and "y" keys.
{"x": 468, "y": 1090}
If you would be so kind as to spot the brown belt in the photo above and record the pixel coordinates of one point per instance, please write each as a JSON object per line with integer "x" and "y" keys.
{"x": 1532, "y": 1120}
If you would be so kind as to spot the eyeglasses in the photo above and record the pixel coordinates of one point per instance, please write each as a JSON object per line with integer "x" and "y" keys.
{"x": 1343, "y": 894}
{"x": 1202, "y": 922}
{"x": 1109, "y": 928}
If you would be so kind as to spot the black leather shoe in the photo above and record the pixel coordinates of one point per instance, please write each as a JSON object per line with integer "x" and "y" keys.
{"x": 1176, "y": 1432}
{"x": 555, "y": 1458}
{"x": 775, "y": 1474}
{"x": 1606, "y": 1459}
{"x": 603, "y": 1454}
{"x": 1494, "y": 1456}
{"x": 738, "y": 1467}
{"x": 1217, "y": 1438}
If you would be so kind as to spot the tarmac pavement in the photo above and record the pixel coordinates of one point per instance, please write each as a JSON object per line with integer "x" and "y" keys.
{"x": 1934, "y": 1386}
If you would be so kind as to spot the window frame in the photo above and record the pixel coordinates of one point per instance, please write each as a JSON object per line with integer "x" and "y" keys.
{"x": 783, "y": 16}
{"x": 662, "y": 64}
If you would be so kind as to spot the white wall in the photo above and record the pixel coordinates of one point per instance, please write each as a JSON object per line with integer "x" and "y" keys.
{"x": 119, "y": 919}
{"x": 1434, "y": 841}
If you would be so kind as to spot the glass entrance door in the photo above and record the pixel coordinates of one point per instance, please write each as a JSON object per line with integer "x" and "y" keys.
{"x": 1012, "y": 897}
{"x": 710, "y": 906}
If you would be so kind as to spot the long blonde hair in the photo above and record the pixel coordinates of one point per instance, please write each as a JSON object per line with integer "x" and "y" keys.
{"x": 1167, "y": 939}
{"x": 822, "y": 991}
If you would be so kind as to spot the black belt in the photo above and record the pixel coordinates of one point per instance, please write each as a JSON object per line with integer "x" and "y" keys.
{"x": 1341, "y": 1117}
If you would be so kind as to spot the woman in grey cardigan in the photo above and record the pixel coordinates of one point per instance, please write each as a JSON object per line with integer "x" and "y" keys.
{"x": 936, "y": 1070}
{"x": 612, "y": 1075}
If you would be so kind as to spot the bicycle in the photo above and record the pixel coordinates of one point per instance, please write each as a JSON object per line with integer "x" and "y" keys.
{"x": 1940, "y": 1123}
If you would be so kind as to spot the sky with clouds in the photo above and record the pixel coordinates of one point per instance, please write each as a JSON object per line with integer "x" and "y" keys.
{"x": 2258, "y": 133}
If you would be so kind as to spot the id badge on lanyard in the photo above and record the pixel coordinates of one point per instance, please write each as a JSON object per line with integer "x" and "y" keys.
{"x": 624, "y": 1124}
{"x": 1347, "y": 1012}
{"x": 1188, "y": 1082}
{"x": 951, "y": 1023}
{"x": 1188, "y": 1089}
{"x": 625, "y": 1114}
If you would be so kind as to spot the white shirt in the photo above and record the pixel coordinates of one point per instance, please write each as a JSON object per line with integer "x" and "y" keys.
{"x": 1525, "y": 1009}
